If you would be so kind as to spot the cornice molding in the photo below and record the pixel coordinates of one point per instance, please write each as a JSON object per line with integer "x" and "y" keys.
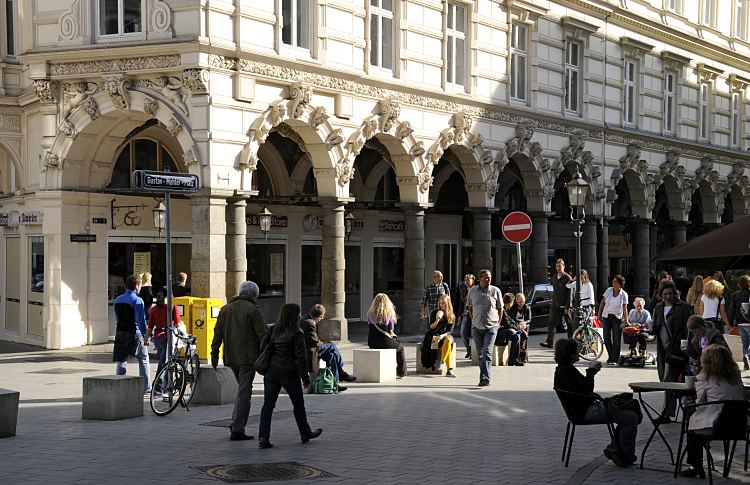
{"x": 708, "y": 73}
{"x": 578, "y": 27}
{"x": 670, "y": 57}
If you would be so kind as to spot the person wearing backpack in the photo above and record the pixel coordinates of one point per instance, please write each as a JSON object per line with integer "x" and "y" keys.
{"x": 287, "y": 368}
{"x": 319, "y": 349}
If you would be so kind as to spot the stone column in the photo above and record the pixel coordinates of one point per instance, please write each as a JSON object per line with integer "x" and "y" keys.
{"x": 482, "y": 240}
{"x": 208, "y": 265}
{"x": 602, "y": 280}
{"x": 641, "y": 259}
{"x": 679, "y": 233}
{"x": 236, "y": 245}
{"x": 414, "y": 281}
{"x": 539, "y": 243}
{"x": 333, "y": 295}
{"x": 588, "y": 251}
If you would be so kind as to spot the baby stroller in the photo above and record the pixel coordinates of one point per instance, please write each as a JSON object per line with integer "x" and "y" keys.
{"x": 635, "y": 337}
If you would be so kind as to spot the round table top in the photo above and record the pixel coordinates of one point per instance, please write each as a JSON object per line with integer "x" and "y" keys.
{"x": 661, "y": 386}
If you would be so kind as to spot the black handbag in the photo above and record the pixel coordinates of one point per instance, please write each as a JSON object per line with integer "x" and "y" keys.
{"x": 263, "y": 362}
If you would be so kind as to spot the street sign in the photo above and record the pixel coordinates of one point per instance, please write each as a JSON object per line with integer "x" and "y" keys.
{"x": 164, "y": 181}
{"x": 517, "y": 227}
{"x": 84, "y": 238}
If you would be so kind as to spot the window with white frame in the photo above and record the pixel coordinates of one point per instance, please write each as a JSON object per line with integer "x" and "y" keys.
{"x": 670, "y": 102}
{"x": 740, "y": 18}
{"x": 572, "y": 75}
{"x": 708, "y": 12}
{"x": 296, "y": 19}
{"x": 456, "y": 48}
{"x": 734, "y": 122}
{"x": 381, "y": 33}
{"x": 10, "y": 30}
{"x": 703, "y": 112}
{"x": 670, "y": 5}
{"x": 519, "y": 52}
{"x": 118, "y": 17}
{"x": 630, "y": 91}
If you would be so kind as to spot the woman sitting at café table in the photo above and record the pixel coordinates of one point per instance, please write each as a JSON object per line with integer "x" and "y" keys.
{"x": 703, "y": 335}
{"x": 718, "y": 380}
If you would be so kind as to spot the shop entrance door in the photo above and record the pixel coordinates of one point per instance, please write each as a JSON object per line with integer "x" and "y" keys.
{"x": 13, "y": 284}
{"x": 35, "y": 306}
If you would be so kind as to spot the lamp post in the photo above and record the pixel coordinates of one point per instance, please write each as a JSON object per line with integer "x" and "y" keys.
{"x": 264, "y": 221}
{"x": 577, "y": 192}
{"x": 159, "y": 212}
{"x": 349, "y": 222}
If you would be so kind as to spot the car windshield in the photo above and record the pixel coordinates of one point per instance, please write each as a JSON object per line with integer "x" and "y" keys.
{"x": 538, "y": 292}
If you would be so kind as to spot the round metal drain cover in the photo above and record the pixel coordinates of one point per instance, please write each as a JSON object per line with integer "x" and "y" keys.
{"x": 263, "y": 472}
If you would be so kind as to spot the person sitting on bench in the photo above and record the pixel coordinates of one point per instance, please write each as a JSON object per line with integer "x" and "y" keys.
{"x": 325, "y": 350}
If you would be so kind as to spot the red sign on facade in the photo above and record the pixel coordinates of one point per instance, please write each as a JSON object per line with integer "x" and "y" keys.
{"x": 516, "y": 227}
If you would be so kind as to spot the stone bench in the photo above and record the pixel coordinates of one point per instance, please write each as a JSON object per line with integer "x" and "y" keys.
{"x": 375, "y": 365}
{"x": 8, "y": 412}
{"x": 112, "y": 397}
{"x": 428, "y": 370}
{"x": 500, "y": 355}
{"x": 215, "y": 386}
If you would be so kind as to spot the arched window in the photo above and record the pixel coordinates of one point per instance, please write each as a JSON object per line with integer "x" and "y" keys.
{"x": 140, "y": 154}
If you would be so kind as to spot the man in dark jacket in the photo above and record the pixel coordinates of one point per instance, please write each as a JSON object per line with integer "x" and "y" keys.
{"x": 241, "y": 328}
{"x": 560, "y": 302}
{"x": 670, "y": 326}
{"x": 317, "y": 349}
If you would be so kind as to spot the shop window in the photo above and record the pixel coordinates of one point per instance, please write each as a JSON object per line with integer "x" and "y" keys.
{"x": 266, "y": 266}
{"x": 352, "y": 281}
{"x": 456, "y": 48}
{"x": 36, "y": 266}
{"x": 381, "y": 33}
{"x": 296, "y": 17}
{"x": 118, "y": 17}
{"x": 140, "y": 154}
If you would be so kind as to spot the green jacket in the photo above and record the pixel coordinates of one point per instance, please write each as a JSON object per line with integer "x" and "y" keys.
{"x": 241, "y": 328}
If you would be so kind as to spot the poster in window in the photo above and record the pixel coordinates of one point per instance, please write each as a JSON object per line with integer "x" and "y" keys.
{"x": 277, "y": 268}
{"x": 141, "y": 263}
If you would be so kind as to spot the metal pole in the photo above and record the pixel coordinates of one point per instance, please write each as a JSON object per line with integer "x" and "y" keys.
{"x": 579, "y": 233}
{"x": 168, "y": 228}
{"x": 520, "y": 268}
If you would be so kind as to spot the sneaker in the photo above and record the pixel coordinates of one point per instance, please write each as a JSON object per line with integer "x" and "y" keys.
{"x": 450, "y": 373}
{"x": 468, "y": 355}
{"x": 484, "y": 383}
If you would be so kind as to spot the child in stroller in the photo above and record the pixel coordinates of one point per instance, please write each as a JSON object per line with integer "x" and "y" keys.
{"x": 636, "y": 333}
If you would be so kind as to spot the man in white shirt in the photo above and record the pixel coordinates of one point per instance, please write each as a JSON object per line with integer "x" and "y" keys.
{"x": 613, "y": 313}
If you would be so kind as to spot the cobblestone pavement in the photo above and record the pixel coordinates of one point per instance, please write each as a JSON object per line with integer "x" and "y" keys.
{"x": 422, "y": 429}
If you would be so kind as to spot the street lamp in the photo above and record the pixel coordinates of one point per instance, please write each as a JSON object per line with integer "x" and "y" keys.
{"x": 159, "y": 212}
{"x": 577, "y": 192}
{"x": 264, "y": 220}
{"x": 349, "y": 222}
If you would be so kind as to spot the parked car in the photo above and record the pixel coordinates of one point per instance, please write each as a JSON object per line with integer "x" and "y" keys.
{"x": 539, "y": 297}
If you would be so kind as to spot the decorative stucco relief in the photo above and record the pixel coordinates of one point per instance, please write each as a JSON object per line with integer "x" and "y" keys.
{"x": 196, "y": 80}
{"x": 75, "y": 94}
{"x": 116, "y": 65}
{"x": 10, "y": 122}
{"x": 161, "y": 17}
{"x": 116, "y": 86}
{"x": 150, "y": 106}
{"x": 46, "y": 91}
{"x": 575, "y": 159}
{"x": 69, "y": 23}
{"x": 51, "y": 160}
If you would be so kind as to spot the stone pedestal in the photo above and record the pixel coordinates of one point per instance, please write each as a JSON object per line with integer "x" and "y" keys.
{"x": 208, "y": 264}
{"x": 428, "y": 370}
{"x": 236, "y": 246}
{"x": 499, "y": 355}
{"x": 481, "y": 241}
{"x": 8, "y": 412}
{"x": 641, "y": 260}
{"x": 215, "y": 386}
{"x": 414, "y": 280}
{"x": 333, "y": 265}
{"x": 111, "y": 398}
{"x": 539, "y": 243}
{"x": 375, "y": 365}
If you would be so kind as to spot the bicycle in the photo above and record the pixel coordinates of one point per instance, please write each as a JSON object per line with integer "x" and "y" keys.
{"x": 178, "y": 378}
{"x": 590, "y": 342}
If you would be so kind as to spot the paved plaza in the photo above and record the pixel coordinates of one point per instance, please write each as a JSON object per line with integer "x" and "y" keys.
{"x": 423, "y": 429}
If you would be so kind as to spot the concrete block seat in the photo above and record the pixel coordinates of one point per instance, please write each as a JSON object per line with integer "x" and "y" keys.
{"x": 215, "y": 386}
{"x": 375, "y": 365}
{"x": 500, "y": 355}
{"x": 111, "y": 398}
{"x": 8, "y": 412}
{"x": 427, "y": 370}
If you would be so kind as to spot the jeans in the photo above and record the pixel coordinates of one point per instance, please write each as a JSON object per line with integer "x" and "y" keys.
{"x": 514, "y": 340}
{"x": 333, "y": 359}
{"x": 612, "y": 328}
{"x": 144, "y": 369}
{"x": 271, "y": 387}
{"x": 161, "y": 349}
{"x": 625, "y": 432}
{"x": 466, "y": 332}
{"x": 745, "y": 335}
{"x": 484, "y": 339}
{"x": 244, "y": 375}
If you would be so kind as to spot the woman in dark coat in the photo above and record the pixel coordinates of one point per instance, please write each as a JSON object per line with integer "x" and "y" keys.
{"x": 288, "y": 369}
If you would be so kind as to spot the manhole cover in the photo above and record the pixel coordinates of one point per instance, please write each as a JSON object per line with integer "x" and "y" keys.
{"x": 60, "y": 370}
{"x": 51, "y": 358}
{"x": 263, "y": 472}
{"x": 255, "y": 419}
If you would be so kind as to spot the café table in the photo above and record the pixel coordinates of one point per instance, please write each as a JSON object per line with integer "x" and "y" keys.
{"x": 678, "y": 390}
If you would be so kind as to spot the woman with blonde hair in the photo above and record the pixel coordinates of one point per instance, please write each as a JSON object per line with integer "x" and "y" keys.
{"x": 381, "y": 319}
{"x": 437, "y": 345}
{"x": 719, "y": 380}
{"x": 712, "y": 307}
{"x": 694, "y": 294}
{"x": 146, "y": 294}
{"x": 588, "y": 300}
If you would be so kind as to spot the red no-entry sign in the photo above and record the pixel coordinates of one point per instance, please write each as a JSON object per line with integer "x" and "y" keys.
{"x": 517, "y": 227}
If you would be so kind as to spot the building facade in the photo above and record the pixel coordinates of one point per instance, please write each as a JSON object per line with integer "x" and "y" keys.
{"x": 425, "y": 120}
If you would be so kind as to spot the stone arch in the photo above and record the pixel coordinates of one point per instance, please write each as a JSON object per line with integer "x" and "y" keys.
{"x": 15, "y": 161}
{"x": 92, "y": 132}
{"x": 676, "y": 186}
{"x": 281, "y": 181}
{"x": 640, "y": 184}
{"x": 738, "y": 187}
{"x": 706, "y": 182}
{"x": 370, "y": 186}
{"x": 474, "y": 160}
{"x": 574, "y": 158}
{"x": 441, "y": 178}
{"x": 308, "y": 125}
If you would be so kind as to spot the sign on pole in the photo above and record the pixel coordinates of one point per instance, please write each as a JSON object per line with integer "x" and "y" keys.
{"x": 516, "y": 228}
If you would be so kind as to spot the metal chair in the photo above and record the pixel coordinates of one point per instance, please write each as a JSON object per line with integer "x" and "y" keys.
{"x": 573, "y": 421}
{"x": 725, "y": 430}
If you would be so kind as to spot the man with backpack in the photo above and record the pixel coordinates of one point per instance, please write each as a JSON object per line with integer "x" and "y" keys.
{"x": 317, "y": 349}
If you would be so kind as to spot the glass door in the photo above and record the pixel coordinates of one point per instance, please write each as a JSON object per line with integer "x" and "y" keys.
{"x": 13, "y": 284}
{"x": 35, "y": 306}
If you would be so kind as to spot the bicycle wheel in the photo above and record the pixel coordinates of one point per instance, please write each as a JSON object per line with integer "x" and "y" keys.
{"x": 590, "y": 343}
{"x": 172, "y": 376}
{"x": 192, "y": 368}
